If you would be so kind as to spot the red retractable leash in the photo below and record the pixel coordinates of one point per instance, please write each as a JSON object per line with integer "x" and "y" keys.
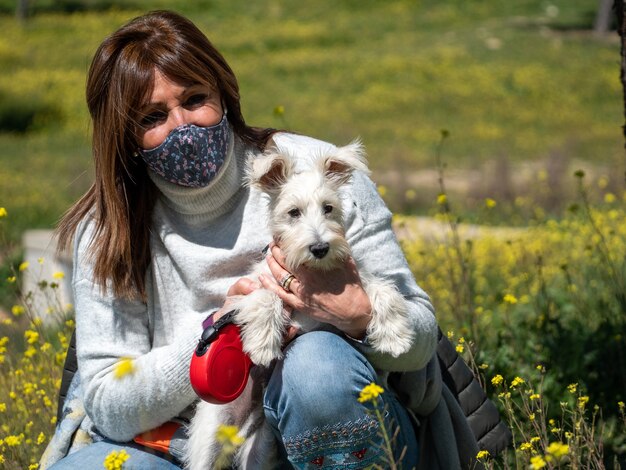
{"x": 219, "y": 367}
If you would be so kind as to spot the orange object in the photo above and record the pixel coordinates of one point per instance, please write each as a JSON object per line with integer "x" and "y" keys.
{"x": 158, "y": 438}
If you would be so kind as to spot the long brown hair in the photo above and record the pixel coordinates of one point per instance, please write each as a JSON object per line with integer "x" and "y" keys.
{"x": 119, "y": 82}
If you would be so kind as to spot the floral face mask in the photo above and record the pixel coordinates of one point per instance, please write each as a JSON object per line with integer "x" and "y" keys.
{"x": 190, "y": 155}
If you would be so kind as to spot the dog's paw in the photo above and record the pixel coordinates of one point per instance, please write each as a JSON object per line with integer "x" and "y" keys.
{"x": 390, "y": 342}
{"x": 264, "y": 356}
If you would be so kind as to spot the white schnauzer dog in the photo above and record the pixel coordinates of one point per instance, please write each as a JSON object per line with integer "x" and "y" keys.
{"x": 306, "y": 221}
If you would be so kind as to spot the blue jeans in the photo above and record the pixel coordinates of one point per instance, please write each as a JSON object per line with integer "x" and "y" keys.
{"x": 312, "y": 404}
{"x": 92, "y": 458}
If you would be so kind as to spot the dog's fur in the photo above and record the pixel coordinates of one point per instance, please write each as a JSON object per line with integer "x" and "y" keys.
{"x": 305, "y": 219}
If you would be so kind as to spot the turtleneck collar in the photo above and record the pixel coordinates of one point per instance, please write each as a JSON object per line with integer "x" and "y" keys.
{"x": 213, "y": 200}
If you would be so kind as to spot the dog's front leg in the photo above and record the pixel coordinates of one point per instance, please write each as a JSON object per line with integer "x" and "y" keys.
{"x": 390, "y": 330}
{"x": 263, "y": 325}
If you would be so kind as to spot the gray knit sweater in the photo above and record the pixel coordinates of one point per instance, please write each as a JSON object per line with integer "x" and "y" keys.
{"x": 202, "y": 241}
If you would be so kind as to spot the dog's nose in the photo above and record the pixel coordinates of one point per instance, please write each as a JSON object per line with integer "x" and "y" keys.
{"x": 319, "y": 250}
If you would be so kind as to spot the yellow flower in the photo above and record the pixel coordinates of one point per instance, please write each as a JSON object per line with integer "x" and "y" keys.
{"x": 40, "y": 260}
{"x": 41, "y": 438}
{"x": 620, "y": 404}
{"x": 279, "y": 110}
{"x": 517, "y": 381}
{"x": 229, "y": 435}
{"x": 14, "y": 441}
{"x": 115, "y": 460}
{"x": 483, "y": 366}
{"x": 524, "y": 446}
{"x": 17, "y": 310}
{"x": 555, "y": 430}
{"x": 535, "y": 396}
{"x": 582, "y": 401}
{"x": 609, "y": 198}
{"x": 30, "y": 352}
{"x": 497, "y": 380}
{"x": 3, "y": 407}
{"x": 382, "y": 190}
{"x": 11, "y": 279}
{"x": 572, "y": 388}
{"x": 510, "y": 299}
{"x": 124, "y": 367}
{"x": 2, "y": 458}
{"x": 537, "y": 462}
{"x": 31, "y": 336}
{"x": 442, "y": 199}
{"x": 490, "y": 203}
{"x": 3, "y": 212}
{"x": 558, "y": 449}
{"x": 482, "y": 454}
{"x": 459, "y": 348}
{"x": 33, "y": 466}
{"x": 23, "y": 266}
{"x": 58, "y": 275}
{"x": 531, "y": 416}
{"x": 534, "y": 439}
{"x": 370, "y": 392}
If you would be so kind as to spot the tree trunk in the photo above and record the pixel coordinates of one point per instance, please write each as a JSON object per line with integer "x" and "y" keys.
{"x": 602, "y": 22}
{"x": 21, "y": 11}
{"x": 621, "y": 30}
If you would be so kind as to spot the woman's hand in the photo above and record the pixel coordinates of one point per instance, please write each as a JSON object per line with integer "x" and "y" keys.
{"x": 336, "y": 297}
{"x": 245, "y": 286}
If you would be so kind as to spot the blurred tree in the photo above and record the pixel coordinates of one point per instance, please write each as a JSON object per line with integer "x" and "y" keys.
{"x": 21, "y": 11}
{"x": 621, "y": 30}
{"x": 602, "y": 22}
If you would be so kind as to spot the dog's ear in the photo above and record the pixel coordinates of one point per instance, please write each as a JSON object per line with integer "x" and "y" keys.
{"x": 338, "y": 166}
{"x": 269, "y": 171}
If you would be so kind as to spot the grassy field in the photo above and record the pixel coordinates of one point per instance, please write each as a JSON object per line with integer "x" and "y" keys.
{"x": 518, "y": 82}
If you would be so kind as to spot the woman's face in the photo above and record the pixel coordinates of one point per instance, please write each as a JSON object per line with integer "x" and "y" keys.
{"x": 172, "y": 105}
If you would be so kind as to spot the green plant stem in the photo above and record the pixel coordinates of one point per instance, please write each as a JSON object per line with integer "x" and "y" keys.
{"x": 462, "y": 288}
{"x": 388, "y": 448}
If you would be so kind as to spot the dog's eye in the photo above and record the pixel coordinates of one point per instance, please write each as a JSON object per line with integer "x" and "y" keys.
{"x": 294, "y": 213}
{"x": 328, "y": 208}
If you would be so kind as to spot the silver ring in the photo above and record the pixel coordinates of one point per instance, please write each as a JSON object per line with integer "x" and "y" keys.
{"x": 285, "y": 282}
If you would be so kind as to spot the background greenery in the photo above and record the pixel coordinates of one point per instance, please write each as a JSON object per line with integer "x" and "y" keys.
{"x": 521, "y": 86}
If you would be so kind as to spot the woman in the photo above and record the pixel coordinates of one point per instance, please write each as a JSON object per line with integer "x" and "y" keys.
{"x": 162, "y": 240}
